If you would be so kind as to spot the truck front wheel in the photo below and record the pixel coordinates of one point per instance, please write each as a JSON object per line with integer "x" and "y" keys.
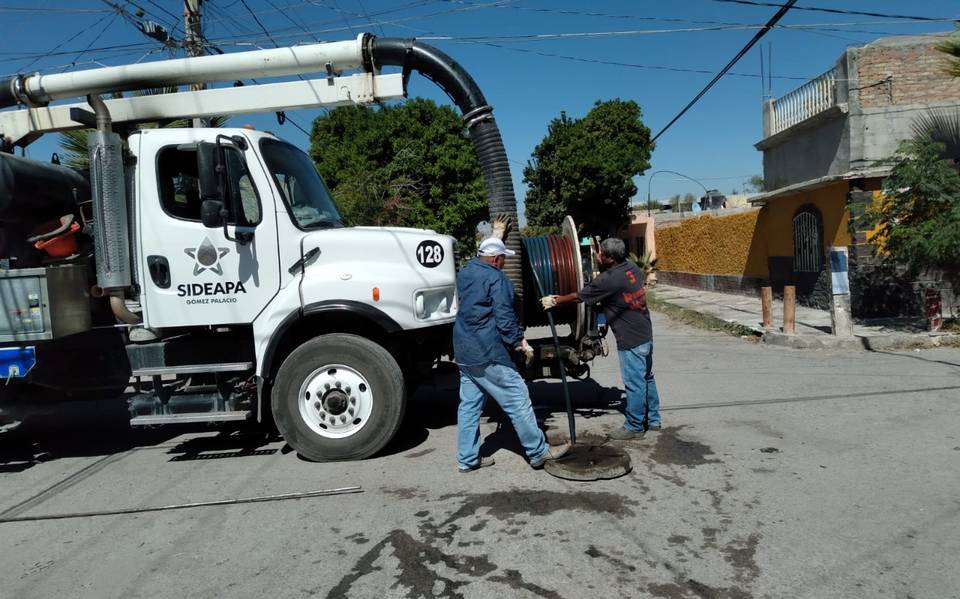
{"x": 338, "y": 397}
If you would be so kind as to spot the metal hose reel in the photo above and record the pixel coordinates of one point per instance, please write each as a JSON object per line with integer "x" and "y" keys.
{"x": 554, "y": 266}
{"x": 557, "y": 262}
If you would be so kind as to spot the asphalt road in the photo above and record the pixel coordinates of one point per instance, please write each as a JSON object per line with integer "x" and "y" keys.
{"x": 780, "y": 473}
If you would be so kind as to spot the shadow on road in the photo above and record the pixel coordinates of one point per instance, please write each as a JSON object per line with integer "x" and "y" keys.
{"x": 94, "y": 429}
{"x": 435, "y": 408}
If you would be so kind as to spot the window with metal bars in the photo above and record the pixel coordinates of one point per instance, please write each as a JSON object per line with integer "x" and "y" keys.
{"x": 807, "y": 240}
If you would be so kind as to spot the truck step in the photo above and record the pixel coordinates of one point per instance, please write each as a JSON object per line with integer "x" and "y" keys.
{"x": 190, "y": 418}
{"x": 193, "y": 369}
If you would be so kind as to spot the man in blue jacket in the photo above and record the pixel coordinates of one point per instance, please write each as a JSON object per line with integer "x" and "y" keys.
{"x": 485, "y": 333}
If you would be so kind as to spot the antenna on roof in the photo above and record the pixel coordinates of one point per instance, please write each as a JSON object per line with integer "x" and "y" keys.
{"x": 763, "y": 81}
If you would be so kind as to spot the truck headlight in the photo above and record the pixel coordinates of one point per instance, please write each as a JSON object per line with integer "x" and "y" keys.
{"x": 430, "y": 304}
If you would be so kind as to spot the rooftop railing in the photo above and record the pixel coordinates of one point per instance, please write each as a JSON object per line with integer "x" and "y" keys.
{"x": 808, "y": 100}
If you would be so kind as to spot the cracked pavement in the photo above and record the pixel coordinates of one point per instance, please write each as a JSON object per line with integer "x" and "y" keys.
{"x": 779, "y": 473}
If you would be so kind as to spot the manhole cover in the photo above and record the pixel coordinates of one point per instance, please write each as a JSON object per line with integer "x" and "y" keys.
{"x": 590, "y": 462}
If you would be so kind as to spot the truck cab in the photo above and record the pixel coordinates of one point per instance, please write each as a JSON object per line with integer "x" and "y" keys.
{"x": 252, "y": 298}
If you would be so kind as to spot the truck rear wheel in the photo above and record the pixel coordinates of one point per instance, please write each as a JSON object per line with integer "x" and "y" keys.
{"x": 338, "y": 397}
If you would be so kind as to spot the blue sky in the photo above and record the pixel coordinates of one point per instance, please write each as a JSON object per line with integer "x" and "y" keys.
{"x": 712, "y": 143}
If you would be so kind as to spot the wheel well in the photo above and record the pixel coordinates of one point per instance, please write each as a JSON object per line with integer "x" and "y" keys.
{"x": 415, "y": 351}
{"x": 313, "y": 325}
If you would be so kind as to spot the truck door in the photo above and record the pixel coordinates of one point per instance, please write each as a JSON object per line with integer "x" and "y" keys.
{"x": 191, "y": 274}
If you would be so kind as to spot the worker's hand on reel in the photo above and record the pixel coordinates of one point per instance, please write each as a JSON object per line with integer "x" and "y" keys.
{"x": 548, "y": 301}
{"x": 501, "y": 225}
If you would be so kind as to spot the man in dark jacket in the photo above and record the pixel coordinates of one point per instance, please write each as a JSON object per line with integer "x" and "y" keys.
{"x": 620, "y": 292}
{"x": 485, "y": 333}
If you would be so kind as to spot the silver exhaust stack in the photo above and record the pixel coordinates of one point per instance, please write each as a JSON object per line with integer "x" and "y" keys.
{"x": 108, "y": 188}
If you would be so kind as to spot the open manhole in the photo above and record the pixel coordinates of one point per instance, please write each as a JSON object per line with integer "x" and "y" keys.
{"x": 587, "y": 461}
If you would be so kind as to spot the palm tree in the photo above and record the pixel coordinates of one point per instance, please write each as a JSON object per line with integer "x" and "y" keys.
{"x": 951, "y": 48}
{"x": 942, "y": 125}
{"x": 73, "y": 144}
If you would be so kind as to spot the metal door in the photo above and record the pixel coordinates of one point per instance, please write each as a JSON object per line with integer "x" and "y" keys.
{"x": 193, "y": 275}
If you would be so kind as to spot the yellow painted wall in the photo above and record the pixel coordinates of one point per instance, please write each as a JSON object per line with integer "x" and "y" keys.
{"x": 776, "y": 221}
{"x": 740, "y": 244}
{"x": 875, "y": 235}
{"x": 712, "y": 245}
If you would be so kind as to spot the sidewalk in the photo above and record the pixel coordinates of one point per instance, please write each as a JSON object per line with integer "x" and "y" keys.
{"x": 813, "y": 325}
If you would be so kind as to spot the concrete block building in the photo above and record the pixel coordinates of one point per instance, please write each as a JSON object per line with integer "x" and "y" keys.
{"x": 822, "y": 146}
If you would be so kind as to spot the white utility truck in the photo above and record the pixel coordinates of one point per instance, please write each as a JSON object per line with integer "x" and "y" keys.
{"x": 208, "y": 269}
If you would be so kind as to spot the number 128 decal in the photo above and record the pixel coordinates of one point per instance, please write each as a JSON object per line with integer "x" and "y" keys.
{"x": 429, "y": 254}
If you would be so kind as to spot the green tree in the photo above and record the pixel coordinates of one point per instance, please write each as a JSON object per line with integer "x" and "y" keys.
{"x": 585, "y": 168}
{"x": 918, "y": 220}
{"x": 755, "y": 184}
{"x": 688, "y": 201}
{"x": 675, "y": 201}
{"x": 73, "y": 144}
{"x": 403, "y": 165}
{"x": 951, "y": 47}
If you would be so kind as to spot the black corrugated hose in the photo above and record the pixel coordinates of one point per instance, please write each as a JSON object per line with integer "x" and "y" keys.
{"x": 478, "y": 118}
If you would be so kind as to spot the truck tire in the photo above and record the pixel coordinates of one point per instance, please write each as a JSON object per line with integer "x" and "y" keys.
{"x": 338, "y": 397}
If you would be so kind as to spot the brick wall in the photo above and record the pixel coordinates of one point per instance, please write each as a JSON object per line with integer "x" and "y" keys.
{"x": 915, "y": 71}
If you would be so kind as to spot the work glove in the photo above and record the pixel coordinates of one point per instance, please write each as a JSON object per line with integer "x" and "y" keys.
{"x": 501, "y": 225}
{"x": 548, "y": 301}
{"x": 527, "y": 352}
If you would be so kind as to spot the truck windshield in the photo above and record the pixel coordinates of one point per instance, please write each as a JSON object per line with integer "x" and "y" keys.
{"x": 306, "y": 196}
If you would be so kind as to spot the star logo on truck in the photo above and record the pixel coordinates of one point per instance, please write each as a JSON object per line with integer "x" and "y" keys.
{"x": 207, "y": 257}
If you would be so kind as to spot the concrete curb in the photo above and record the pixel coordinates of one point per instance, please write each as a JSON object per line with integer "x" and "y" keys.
{"x": 863, "y": 342}
{"x": 811, "y": 341}
{"x": 825, "y": 341}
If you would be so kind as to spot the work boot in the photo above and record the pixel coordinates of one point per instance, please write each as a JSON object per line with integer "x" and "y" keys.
{"x": 483, "y": 463}
{"x": 553, "y": 452}
{"x": 624, "y": 434}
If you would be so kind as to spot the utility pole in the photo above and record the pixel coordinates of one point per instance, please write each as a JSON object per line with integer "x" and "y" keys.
{"x": 194, "y": 42}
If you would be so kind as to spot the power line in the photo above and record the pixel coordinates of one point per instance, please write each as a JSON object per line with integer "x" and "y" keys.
{"x": 336, "y": 7}
{"x": 640, "y": 32}
{"x": 756, "y": 38}
{"x": 289, "y": 18}
{"x": 228, "y": 40}
{"x": 363, "y": 11}
{"x": 281, "y": 116}
{"x": 160, "y": 7}
{"x": 49, "y": 11}
{"x": 19, "y": 56}
{"x": 382, "y": 22}
{"x": 97, "y": 38}
{"x": 634, "y": 65}
{"x": 836, "y": 11}
{"x": 257, "y": 19}
{"x": 228, "y": 21}
{"x": 50, "y": 52}
{"x": 579, "y": 13}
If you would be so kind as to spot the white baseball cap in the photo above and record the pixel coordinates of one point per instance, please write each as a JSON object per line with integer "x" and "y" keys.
{"x": 492, "y": 246}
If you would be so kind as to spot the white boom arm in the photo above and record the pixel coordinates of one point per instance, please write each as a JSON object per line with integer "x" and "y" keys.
{"x": 331, "y": 57}
{"x": 37, "y": 91}
{"x": 22, "y": 126}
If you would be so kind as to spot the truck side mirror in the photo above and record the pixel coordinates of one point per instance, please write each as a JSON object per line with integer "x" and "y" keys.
{"x": 211, "y": 213}
{"x": 208, "y": 171}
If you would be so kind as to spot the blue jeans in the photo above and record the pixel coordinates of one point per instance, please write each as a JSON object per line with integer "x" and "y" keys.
{"x": 507, "y": 388}
{"x": 643, "y": 401}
